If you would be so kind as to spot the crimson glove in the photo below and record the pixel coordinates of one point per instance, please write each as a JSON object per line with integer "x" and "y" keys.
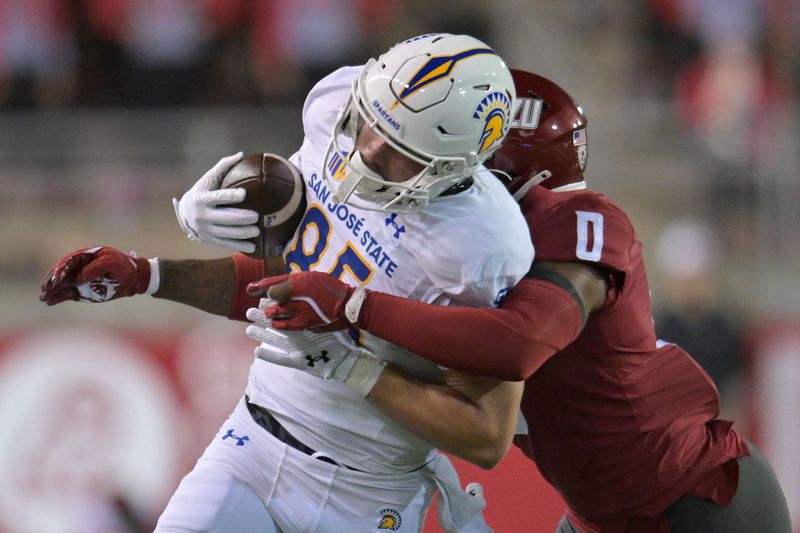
{"x": 97, "y": 274}
{"x": 310, "y": 300}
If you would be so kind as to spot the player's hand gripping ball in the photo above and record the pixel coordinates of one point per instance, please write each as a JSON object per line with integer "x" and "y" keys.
{"x": 274, "y": 189}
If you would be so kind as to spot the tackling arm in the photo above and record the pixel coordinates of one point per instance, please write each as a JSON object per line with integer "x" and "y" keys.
{"x": 544, "y": 313}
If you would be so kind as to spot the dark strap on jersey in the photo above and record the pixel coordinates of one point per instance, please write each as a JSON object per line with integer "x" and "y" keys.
{"x": 458, "y": 187}
{"x": 537, "y": 272}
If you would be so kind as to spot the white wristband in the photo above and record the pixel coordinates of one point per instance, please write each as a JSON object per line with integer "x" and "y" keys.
{"x": 155, "y": 276}
{"x": 365, "y": 373}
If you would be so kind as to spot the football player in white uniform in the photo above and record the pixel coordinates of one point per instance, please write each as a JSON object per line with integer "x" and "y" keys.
{"x": 398, "y": 201}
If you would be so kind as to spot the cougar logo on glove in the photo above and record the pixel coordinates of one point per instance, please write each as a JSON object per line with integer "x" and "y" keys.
{"x": 390, "y": 520}
{"x": 494, "y": 110}
{"x": 98, "y": 290}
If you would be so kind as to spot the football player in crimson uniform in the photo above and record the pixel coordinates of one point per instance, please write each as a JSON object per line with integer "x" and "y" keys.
{"x": 622, "y": 424}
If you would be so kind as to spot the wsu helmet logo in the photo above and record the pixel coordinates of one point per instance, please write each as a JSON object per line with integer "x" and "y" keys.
{"x": 494, "y": 110}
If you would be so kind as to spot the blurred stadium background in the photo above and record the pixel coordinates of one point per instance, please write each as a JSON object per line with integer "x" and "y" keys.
{"x": 109, "y": 108}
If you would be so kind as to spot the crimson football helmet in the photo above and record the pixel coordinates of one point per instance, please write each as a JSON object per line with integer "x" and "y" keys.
{"x": 547, "y": 141}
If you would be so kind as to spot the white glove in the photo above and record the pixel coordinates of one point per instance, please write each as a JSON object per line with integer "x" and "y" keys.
{"x": 324, "y": 355}
{"x": 201, "y": 217}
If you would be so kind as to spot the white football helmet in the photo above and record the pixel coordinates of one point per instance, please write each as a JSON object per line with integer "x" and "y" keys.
{"x": 441, "y": 100}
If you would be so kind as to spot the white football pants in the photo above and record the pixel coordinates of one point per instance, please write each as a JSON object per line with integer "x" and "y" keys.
{"x": 249, "y": 481}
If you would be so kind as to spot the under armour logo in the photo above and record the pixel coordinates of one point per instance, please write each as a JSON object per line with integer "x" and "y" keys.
{"x": 239, "y": 440}
{"x": 397, "y": 229}
{"x": 322, "y": 357}
{"x": 501, "y": 295}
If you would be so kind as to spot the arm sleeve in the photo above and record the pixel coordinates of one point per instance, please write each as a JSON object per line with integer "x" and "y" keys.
{"x": 508, "y": 343}
{"x": 246, "y": 270}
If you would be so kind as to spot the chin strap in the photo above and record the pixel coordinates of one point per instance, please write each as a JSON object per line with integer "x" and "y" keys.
{"x": 528, "y": 185}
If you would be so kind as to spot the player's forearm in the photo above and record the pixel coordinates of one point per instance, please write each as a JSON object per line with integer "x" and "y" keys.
{"x": 206, "y": 284}
{"x": 471, "y": 418}
{"x": 508, "y": 343}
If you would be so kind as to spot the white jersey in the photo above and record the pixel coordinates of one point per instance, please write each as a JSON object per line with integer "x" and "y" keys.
{"x": 464, "y": 249}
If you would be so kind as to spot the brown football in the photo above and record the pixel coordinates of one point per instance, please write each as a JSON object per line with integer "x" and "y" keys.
{"x": 275, "y": 191}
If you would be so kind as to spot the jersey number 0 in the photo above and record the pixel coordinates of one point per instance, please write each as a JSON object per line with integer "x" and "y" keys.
{"x": 590, "y": 236}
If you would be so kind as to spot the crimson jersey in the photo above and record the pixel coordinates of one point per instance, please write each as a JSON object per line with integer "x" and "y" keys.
{"x": 620, "y": 423}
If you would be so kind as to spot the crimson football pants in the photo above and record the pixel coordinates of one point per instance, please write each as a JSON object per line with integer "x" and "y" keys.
{"x": 758, "y": 506}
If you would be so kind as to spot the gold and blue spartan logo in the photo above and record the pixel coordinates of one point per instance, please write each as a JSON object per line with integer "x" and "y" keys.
{"x": 494, "y": 110}
{"x": 390, "y": 520}
{"x": 438, "y": 67}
